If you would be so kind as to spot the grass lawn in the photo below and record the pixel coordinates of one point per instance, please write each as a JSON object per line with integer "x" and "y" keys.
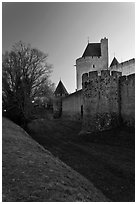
{"x": 31, "y": 173}
{"x": 106, "y": 159}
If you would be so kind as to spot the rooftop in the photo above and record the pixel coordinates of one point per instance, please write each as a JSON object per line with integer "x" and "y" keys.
{"x": 60, "y": 90}
{"x": 92, "y": 49}
{"x": 114, "y": 62}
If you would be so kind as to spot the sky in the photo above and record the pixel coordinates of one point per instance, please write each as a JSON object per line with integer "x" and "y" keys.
{"x": 62, "y": 29}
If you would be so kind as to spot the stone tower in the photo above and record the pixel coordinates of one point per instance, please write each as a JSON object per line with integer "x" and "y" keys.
{"x": 59, "y": 93}
{"x": 94, "y": 58}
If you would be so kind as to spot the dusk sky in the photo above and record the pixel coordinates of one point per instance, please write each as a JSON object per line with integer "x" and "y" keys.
{"x": 61, "y": 29}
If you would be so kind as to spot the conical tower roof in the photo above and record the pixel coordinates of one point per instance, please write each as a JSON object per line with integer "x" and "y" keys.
{"x": 114, "y": 62}
{"x": 60, "y": 90}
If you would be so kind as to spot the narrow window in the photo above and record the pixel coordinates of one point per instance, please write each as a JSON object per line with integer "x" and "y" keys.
{"x": 81, "y": 111}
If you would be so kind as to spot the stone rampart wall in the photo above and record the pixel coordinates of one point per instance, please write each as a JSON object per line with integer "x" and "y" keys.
{"x": 57, "y": 107}
{"x": 100, "y": 100}
{"x": 127, "y": 67}
{"x": 127, "y": 97}
{"x": 72, "y": 105}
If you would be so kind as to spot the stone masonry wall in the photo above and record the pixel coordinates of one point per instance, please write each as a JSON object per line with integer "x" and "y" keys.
{"x": 127, "y": 93}
{"x": 127, "y": 67}
{"x": 100, "y": 100}
{"x": 71, "y": 105}
{"x": 57, "y": 107}
{"x": 108, "y": 100}
{"x": 88, "y": 64}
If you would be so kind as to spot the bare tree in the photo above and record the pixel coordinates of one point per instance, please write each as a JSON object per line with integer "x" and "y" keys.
{"x": 25, "y": 75}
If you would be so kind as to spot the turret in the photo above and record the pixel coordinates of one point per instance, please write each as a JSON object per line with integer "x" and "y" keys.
{"x": 104, "y": 52}
{"x": 94, "y": 58}
{"x": 59, "y": 93}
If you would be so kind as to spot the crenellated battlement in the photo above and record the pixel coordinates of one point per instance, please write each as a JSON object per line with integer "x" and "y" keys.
{"x": 127, "y": 79}
{"x": 86, "y": 77}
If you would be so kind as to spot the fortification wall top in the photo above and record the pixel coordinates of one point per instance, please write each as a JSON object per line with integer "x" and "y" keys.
{"x": 76, "y": 93}
{"x": 83, "y": 59}
{"x": 128, "y": 62}
{"x": 122, "y": 64}
{"x": 104, "y": 74}
{"x": 126, "y": 79}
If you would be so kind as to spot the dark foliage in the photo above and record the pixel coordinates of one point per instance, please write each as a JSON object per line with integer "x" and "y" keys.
{"x": 25, "y": 76}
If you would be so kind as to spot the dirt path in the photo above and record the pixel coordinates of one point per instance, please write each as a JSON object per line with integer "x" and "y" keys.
{"x": 106, "y": 159}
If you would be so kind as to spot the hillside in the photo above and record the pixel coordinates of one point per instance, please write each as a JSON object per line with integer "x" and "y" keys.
{"x": 32, "y": 174}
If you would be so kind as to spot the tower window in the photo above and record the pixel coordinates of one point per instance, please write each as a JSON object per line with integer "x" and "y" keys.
{"x": 93, "y": 66}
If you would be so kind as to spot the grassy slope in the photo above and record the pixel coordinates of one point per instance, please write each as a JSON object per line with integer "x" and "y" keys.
{"x": 30, "y": 173}
{"x": 106, "y": 159}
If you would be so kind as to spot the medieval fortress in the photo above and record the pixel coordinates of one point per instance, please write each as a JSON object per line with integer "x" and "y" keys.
{"x": 105, "y": 95}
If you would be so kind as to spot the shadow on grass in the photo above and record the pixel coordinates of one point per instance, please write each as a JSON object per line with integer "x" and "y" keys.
{"x": 106, "y": 158}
